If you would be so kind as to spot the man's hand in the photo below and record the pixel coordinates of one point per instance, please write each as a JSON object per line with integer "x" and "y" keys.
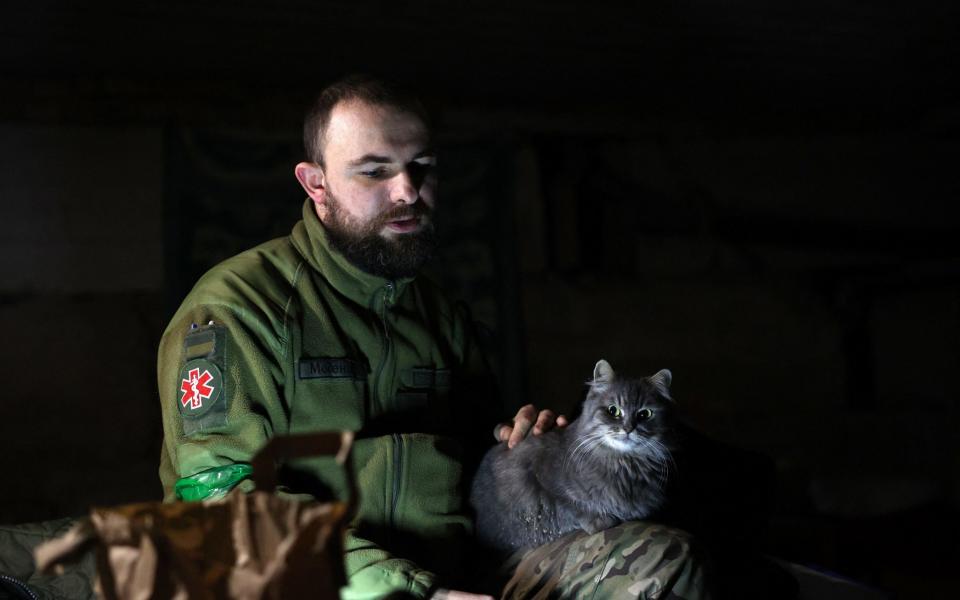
{"x": 528, "y": 419}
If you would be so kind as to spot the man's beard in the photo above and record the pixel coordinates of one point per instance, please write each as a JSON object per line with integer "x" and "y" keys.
{"x": 368, "y": 250}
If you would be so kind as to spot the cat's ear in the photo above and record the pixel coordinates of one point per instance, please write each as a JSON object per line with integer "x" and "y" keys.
{"x": 661, "y": 381}
{"x": 602, "y": 373}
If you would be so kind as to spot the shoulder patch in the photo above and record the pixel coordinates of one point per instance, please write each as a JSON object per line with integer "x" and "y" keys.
{"x": 202, "y": 396}
{"x": 201, "y": 385}
{"x": 204, "y": 341}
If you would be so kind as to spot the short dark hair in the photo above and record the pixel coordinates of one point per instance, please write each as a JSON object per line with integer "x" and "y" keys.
{"x": 365, "y": 88}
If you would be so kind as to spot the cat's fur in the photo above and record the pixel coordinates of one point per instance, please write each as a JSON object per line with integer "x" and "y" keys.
{"x": 601, "y": 469}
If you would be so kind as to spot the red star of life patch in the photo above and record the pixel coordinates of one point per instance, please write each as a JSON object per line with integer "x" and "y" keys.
{"x": 196, "y": 388}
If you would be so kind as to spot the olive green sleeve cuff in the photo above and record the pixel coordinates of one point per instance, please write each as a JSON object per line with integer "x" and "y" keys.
{"x": 375, "y": 573}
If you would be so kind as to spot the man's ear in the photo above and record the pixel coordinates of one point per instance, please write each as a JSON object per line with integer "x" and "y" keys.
{"x": 314, "y": 183}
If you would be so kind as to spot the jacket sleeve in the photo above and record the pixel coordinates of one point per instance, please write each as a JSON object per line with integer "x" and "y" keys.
{"x": 249, "y": 358}
{"x": 375, "y": 573}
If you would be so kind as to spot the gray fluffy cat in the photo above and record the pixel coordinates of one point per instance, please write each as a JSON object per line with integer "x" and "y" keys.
{"x": 610, "y": 465}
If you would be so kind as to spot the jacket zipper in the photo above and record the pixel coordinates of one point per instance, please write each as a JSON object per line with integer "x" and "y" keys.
{"x": 378, "y": 383}
{"x": 388, "y": 298}
{"x": 20, "y": 586}
{"x": 397, "y": 455}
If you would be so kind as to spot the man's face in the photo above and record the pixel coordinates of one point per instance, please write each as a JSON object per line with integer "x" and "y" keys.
{"x": 379, "y": 188}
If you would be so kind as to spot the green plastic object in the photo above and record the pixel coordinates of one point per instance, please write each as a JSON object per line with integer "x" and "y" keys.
{"x": 211, "y": 484}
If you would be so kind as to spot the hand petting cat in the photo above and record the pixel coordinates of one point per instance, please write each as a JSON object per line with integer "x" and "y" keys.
{"x": 527, "y": 420}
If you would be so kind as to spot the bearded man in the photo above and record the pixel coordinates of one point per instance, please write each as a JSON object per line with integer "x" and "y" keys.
{"x": 330, "y": 329}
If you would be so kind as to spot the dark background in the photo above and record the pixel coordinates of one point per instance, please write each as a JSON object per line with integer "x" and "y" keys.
{"x": 759, "y": 196}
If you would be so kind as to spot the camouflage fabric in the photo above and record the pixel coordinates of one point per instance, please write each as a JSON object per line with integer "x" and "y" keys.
{"x": 632, "y": 560}
{"x": 16, "y": 561}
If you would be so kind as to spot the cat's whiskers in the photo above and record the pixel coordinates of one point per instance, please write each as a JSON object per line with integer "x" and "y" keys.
{"x": 657, "y": 455}
{"x": 589, "y": 443}
{"x": 663, "y": 460}
{"x": 585, "y": 446}
{"x": 667, "y": 461}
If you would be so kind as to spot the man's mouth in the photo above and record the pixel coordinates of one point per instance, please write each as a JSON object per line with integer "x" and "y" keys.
{"x": 404, "y": 225}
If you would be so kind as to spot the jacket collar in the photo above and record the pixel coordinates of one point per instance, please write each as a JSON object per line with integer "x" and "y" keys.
{"x": 310, "y": 238}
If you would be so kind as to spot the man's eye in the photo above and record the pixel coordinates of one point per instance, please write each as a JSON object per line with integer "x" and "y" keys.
{"x": 374, "y": 173}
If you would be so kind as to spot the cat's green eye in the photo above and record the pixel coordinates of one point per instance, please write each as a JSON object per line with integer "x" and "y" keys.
{"x": 645, "y": 414}
{"x": 615, "y": 411}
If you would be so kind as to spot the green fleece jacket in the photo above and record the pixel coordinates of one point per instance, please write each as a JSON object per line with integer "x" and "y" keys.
{"x": 289, "y": 337}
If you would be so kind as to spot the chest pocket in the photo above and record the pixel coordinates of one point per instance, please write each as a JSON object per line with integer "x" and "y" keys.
{"x": 330, "y": 393}
{"x": 425, "y": 391}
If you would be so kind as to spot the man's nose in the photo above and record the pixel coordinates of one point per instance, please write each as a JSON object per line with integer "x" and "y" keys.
{"x": 403, "y": 188}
